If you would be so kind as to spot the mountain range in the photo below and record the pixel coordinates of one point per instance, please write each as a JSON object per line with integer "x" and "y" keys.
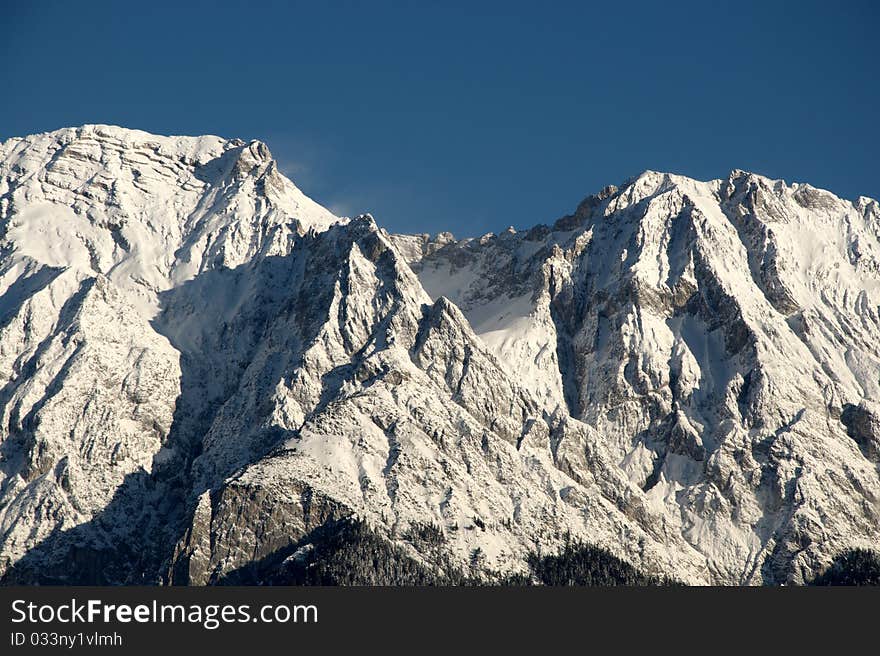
{"x": 204, "y": 374}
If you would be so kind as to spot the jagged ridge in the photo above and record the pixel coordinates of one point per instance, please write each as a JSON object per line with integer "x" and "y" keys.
{"x": 200, "y": 370}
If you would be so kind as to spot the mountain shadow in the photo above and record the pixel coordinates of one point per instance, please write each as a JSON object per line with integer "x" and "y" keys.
{"x": 239, "y": 333}
{"x": 132, "y": 539}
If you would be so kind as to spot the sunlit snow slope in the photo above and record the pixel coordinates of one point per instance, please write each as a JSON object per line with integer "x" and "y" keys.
{"x": 199, "y": 367}
{"x": 722, "y": 337}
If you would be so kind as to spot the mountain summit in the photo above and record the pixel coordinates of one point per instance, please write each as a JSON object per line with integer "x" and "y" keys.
{"x": 202, "y": 372}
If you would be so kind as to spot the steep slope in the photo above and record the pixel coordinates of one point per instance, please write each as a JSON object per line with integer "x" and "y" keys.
{"x": 324, "y": 384}
{"x": 722, "y": 337}
{"x": 364, "y": 397}
{"x": 95, "y": 222}
{"x": 202, "y": 372}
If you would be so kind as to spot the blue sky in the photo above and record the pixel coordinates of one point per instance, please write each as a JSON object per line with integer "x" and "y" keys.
{"x": 472, "y": 116}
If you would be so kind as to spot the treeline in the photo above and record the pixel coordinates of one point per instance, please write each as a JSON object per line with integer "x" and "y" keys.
{"x": 854, "y": 567}
{"x": 354, "y": 554}
{"x": 349, "y": 552}
{"x": 585, "y": 564}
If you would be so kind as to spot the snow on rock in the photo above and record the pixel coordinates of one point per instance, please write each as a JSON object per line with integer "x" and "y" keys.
{"x": 390, "y": 407}
{"x": 199, "y": 366}
{"x": 715, "y": 334}
{"x": 98, "y": 222}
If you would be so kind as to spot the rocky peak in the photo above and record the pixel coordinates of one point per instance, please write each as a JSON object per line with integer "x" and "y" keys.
{"x": 201, "y": 366}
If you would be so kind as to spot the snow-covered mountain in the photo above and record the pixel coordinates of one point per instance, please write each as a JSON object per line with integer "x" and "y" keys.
{"x": 200, "y": 367}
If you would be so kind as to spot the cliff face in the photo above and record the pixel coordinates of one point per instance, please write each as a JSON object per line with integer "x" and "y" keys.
{"x": 201, "y": 367}
{"x": 721, "y": 337}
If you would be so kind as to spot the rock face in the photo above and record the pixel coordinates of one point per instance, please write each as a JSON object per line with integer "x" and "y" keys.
{"x": 201, "y": 367}
{"x": 96, "y": 224}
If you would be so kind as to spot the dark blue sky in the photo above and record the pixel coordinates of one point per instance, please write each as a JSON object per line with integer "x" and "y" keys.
{"x": 474, "y": 116}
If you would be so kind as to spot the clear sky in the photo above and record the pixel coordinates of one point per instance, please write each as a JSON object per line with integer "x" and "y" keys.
{"x": 473, "y": 116}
